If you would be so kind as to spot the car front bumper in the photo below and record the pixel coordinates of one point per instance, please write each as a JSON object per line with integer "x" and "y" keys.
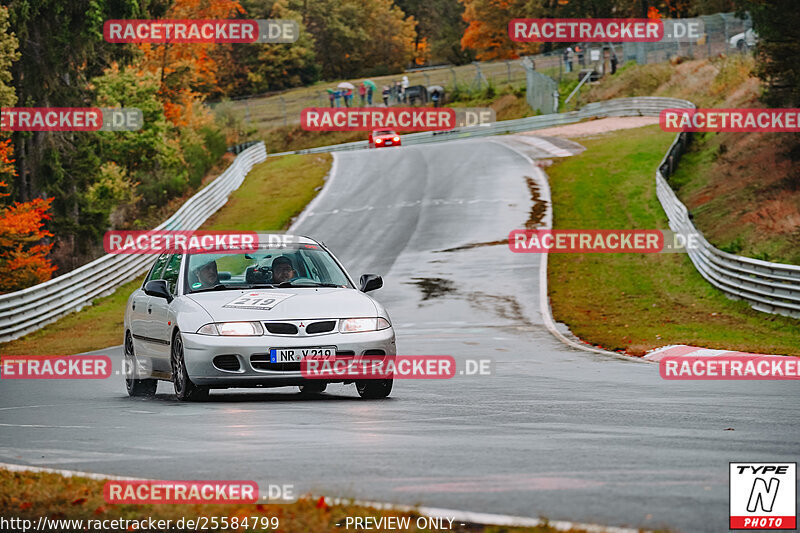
{"x": 201, "y": 350}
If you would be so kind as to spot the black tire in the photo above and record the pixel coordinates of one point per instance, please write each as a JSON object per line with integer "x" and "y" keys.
{"x": 185, "y": 390}
{"x": 135, "y": 386}
{"x": 741, "y": 45}
{"x": 313, "y": 387}
{"x": 374, "y": 389}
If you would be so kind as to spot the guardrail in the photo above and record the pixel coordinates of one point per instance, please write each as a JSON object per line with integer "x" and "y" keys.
{"x": 620, "y": 107}
{"x": 24, "y": 311}
{"x": 768, "y": 287}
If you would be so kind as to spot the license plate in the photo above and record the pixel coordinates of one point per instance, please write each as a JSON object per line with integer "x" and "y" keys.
{"x": 388, "y": 143}
{"x": 294, "y": 355}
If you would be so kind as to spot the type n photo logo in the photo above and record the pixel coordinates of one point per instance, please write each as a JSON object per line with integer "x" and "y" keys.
{"x": 763, "y": 496}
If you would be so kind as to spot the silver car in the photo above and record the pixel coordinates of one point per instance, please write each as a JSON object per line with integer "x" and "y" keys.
{"x": 245, "y": 319}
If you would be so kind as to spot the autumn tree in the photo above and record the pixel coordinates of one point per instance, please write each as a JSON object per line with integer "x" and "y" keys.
{"x": 272, "y": 67}
{"x": 439, "y": 27}
{"x": 189, "y": 71}
{"x": 358, "y": 37}
{"x": 487, "y": 30}
{"x": 23, "y": 254}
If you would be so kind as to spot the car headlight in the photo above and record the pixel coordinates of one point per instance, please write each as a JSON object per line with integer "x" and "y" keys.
{"x": 232, "y": 329}
{"x": 356, "y": 325}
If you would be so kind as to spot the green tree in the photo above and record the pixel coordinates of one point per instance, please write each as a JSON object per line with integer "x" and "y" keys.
{"x": 777, "y": 23}
{"x": 281, "y": 66}
{"x": 358, "y": 37}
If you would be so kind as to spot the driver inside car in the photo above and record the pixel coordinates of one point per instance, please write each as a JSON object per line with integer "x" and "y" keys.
{"x": 207, "y": 275}
{"x": 282, "y": 269}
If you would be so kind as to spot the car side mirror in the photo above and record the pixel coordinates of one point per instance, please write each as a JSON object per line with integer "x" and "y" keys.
{"x": 370, "y": 282}
{"x": 157, "y": 288}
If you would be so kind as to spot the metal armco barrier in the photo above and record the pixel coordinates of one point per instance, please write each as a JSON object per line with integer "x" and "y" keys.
{"x": 24, "y": 311}
{"x": 620, "y": 107}
{"x": 768, "y": 287}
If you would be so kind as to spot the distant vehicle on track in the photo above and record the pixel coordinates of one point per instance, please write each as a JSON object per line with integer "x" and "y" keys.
{"x": 745, "y": 40}
{"x": 234, "y": 319}
{"x": 379, "y": 138}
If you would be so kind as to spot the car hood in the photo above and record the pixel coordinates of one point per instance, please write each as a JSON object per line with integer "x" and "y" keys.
{"x": 289, "y": 304}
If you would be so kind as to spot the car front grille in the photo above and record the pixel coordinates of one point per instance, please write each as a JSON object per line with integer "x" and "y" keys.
{"x": 281, "y": 328}
{"x": 300, "y": 327}
{"x": 321, "y": 327}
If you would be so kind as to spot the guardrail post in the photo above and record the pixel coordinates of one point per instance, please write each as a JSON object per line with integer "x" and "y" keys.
{"x": 727, "y": 37}
{"x": 479, "y": 77}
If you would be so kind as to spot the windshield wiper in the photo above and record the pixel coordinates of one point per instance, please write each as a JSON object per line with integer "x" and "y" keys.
{"x": 287, "y": 284}
{"x": 259, "y": 286}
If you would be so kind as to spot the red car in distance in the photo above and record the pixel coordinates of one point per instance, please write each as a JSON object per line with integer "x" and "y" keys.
{"x": 380, "y": 138}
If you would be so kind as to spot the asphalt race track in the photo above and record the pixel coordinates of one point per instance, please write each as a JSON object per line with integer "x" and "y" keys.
{"x": 555, "y": 432}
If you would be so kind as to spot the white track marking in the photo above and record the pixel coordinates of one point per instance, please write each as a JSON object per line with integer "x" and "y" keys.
{"x": 545, "y": 146}
{"x": 310, "y": 207}
{"x": 544, "y": 300}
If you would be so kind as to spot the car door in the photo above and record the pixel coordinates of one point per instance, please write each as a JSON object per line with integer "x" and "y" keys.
{"x": 158, "y": 316}
{"x": 139, "y": 319}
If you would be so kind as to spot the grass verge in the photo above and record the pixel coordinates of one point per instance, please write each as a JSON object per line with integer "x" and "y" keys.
{"x": 29, "y": 495}
{"x": 274, "y": 192}
{"x": 636, "y": 302}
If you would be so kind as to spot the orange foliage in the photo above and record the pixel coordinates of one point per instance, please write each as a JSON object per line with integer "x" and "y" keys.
{"x": 187, "y": 69}
{"x": 423, "y": 52}
{"x": 487, "y": 32}
{"x": 23, "y": 258}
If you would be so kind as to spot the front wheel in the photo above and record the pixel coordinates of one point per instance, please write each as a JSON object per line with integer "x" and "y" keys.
{"x": 185, "y": 390}
{"x": 136, "y": 387}
{"x": 374, "y": 389}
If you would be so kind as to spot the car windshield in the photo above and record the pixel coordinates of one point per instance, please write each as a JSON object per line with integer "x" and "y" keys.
{"x": 385, "y": 132}
{"x": 298, "y": 265}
